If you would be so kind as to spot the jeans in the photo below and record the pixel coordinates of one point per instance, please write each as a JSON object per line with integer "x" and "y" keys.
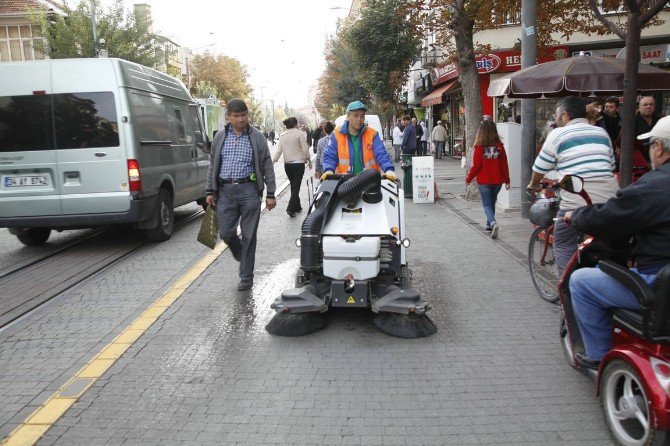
{"x": 396, "y": 149}
{"x": 594, "y": 293}
{"x": 240, "y": 204}
{"x": 566, "y": 239}
{"x": 439, "y": 148}
{"x": 294, "y": 172}
{"x": 489, "y": 194}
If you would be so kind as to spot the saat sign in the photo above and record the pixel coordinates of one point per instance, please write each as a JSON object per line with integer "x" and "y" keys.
{"x": 488, "y": 63}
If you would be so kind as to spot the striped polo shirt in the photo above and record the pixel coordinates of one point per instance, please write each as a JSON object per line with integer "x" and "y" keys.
{"x": 579, "y": 148}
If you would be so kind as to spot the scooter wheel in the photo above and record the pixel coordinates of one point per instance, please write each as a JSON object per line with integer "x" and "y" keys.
{"x": 566, "y": 343}
{"x": 626, "y": 406}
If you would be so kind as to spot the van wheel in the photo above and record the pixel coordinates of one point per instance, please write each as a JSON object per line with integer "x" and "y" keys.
{"x": 164, "y": 217}
{"x": 35, "y": 236}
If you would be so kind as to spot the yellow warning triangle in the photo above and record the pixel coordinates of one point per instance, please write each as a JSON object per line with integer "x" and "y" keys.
{"x": 351, "y": 300}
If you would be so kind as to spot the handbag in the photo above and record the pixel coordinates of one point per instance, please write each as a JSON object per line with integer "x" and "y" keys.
{"x": 209, "y": 228}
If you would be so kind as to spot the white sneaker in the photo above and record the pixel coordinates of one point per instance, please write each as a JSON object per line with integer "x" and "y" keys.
{"x": 494, "y": 230}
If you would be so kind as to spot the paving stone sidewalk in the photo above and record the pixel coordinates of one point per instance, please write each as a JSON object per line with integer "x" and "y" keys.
{"x": 207, "y": 373}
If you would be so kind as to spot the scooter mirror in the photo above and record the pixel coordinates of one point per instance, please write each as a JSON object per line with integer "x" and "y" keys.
{"x": 572, "y": 183}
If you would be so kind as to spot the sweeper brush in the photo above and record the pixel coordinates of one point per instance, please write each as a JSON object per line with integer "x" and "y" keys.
{"x": 352, "y": 255}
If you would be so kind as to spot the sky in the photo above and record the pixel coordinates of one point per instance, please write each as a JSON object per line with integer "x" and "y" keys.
{"x": 280, "y": 42}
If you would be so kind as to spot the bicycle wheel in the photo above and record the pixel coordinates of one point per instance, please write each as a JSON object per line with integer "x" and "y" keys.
{"x": 542, "y": 264}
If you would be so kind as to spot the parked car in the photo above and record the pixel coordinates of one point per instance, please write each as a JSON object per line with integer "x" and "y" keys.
{"x": 91, "y": 142}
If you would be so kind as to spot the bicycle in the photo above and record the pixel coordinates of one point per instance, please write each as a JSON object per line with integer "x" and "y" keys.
{"x": 541, "y": 259}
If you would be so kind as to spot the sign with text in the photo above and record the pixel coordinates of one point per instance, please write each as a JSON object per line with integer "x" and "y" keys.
{"x": 648, "y": 53}
{"x": 495, "y": 62}
{"x": 423, "y": 177}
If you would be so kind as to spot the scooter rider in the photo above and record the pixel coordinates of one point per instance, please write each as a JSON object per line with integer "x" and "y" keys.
{"x": 642, "y": 211}
{"x": 354, "y": 147}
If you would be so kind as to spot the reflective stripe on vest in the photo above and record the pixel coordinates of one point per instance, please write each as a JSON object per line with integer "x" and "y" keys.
{"x": 344, "y": 162}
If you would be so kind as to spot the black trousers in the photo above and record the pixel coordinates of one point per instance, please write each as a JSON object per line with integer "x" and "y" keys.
{"x": 294, "y": 172}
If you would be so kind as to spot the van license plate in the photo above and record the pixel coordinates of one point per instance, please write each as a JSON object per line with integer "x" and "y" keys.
{"x": 36, "y": 180}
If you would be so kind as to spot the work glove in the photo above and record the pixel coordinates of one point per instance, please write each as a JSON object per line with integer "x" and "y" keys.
{"x": 390, "y": 175}
{"x": 325, "y": 175}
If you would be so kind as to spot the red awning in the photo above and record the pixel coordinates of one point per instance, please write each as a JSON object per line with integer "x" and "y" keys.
{"x": 435, "y": 97}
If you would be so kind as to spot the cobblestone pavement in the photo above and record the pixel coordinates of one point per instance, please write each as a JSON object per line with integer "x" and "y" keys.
{"x": 207, "y": 372}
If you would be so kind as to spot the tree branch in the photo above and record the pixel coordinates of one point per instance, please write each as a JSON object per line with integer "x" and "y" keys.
{"x": 611, "y": 26}
{"x": 654, "y": 9}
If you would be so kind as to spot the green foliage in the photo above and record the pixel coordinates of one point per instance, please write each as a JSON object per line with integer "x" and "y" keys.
{"x": 126, "y": 35}
{"x": 205, "y": 89}
{"x": 226, "y": 74}
{"x": 384, "y": 41}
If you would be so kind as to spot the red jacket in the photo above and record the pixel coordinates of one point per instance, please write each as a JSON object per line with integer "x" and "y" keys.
{"x": 489, "y": 165}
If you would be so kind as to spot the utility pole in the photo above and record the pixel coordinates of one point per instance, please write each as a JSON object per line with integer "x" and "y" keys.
{"x": 95, "y": 33}
{"x": 528, "y": 58}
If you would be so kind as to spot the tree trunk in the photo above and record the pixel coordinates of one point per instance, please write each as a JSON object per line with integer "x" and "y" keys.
{"x": 469, "y": 78}
{"x": 629, "y": 97}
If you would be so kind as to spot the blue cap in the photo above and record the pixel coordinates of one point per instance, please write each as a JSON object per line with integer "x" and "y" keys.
{"x": 356, "y": 105}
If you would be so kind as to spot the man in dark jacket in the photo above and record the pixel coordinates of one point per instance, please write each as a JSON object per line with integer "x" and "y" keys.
{"x": 240, "y": 166}
{"x": 408, "y": 145}
{"x": 642, "y": 211}
{"x": 318, "y": 133}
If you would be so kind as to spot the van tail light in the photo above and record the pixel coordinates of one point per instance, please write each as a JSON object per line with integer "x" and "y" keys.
{"x": 134, "y": 178}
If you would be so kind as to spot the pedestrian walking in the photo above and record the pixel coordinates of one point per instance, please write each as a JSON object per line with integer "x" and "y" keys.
{"x": 321, "y": 148}
{"x": 397, "y": 140}
{"x": 424, "y": 137}
{"x": 318, "y": 134}
{"x": 271, "y": 135}
{"x": 419, "y": 134}
{"x": 354, "y": 147}
{"x": 293, "y": 146}
{"x": 240, "y": 166}
{"x": 408, "y": 146}
{"x": 578, "y": 148}
{"x": 439, "y": 137}
{"x": 489, "y": 166}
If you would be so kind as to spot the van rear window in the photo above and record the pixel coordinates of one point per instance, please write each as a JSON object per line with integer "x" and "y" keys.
{"x": 25, "y": 123}
{"x": 80, "y": 120}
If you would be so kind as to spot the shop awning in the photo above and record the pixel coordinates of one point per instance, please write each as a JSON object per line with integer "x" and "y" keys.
{"x": 435, "y": 97}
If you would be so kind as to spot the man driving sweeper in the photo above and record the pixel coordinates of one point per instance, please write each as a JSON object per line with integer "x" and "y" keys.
{"x": 354, "y": 147}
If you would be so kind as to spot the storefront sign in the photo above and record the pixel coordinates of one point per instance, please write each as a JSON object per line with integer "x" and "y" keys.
{"x": 648, "y": 54}
{"x": 495, "y": 62}
{"x": 487, "y": 63}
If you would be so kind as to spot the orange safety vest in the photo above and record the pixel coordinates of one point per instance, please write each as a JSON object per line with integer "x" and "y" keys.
{"x": 343, "y": 150}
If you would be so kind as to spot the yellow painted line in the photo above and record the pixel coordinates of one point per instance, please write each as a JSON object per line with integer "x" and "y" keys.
{"x": 41, "y": 420}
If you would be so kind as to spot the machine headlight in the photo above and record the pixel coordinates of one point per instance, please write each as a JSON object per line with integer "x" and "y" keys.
{"x": 298, "y": 243}
{"x": 406, "y": 243}
{"x": 662, "y": 372}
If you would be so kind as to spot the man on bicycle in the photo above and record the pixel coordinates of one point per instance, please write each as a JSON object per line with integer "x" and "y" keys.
{"x": 642, "y": 211}
{"x": 578, "y": 148}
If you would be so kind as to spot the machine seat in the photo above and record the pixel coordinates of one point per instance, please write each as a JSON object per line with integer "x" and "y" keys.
{"x": 652, "y": 321}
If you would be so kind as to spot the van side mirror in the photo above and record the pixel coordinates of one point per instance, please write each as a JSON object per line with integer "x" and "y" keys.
{"x": 203, "y": 142}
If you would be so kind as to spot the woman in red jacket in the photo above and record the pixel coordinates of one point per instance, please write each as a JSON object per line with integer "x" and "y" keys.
{"x": 489, "y": 166}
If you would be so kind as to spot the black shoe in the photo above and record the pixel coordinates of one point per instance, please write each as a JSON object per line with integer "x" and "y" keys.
{"x": 245, "y": 285}
{"x": 488, "y": 229}
{"x": 290, "y": 214}
{"x": 586, "y": 361}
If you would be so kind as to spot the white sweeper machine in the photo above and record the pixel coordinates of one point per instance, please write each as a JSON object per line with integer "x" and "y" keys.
{"x": 352, "y": 255}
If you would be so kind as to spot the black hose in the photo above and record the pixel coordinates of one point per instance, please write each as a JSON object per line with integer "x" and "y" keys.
{"x": 353, "y": 187}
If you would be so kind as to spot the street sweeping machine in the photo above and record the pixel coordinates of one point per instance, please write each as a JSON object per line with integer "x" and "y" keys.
{"x": 352, "y": 255}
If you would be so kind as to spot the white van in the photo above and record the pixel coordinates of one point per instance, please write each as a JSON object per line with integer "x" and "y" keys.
{"x": 370, "y": 120}
{"x": 91, "y": 142}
